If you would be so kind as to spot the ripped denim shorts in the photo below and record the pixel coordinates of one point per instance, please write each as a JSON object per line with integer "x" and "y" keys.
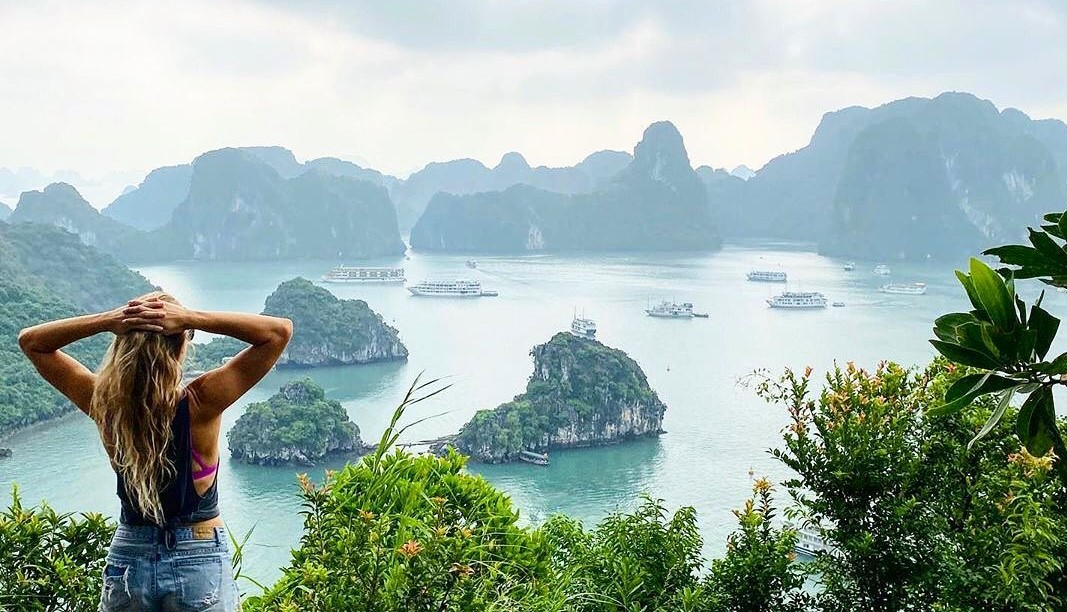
{"x": 151, "y": 569}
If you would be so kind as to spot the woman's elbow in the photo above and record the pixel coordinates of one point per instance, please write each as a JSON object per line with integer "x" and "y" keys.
{"x": 283, "y": 329}
{"x": 28, "y": 340}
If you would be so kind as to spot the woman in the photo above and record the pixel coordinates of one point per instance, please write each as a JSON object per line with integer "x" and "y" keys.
{"x": 170, "y": 551}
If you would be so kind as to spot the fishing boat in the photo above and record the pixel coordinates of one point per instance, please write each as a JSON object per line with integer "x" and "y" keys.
{"x": 904, "y": 288}
{"x": 582, "y": 327}
{"x": 450, "y": 288}
{"x": 535, "y": 458}
{"x": 673, "y": 310}
{"x": 850, "y": 266}
{"x": 354, "y": 274}
{"x": 882, "y": 270}
{"x": 767, "y": 276}
{"x": 798, "y": 299}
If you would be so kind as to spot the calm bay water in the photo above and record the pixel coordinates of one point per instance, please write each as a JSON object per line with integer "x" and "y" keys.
{"x": 718, "y": 430}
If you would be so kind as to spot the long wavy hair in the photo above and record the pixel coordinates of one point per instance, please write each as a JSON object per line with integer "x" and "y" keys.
{"x": 137, "y": 391}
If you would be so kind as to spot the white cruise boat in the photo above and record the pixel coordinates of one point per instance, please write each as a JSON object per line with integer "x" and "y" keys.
{"x": 767, "y": 276}
{"x": 450, "y": 288}
{"x": 353, "y": 274}
{"x": 671, "y": 310}
{"x": 798, "y": 299}
{"x": 810, "y": 542}
{"x": 582, "y": 327}
{"x": 905, "y": 289}
{"x": 472, "y": 263}
{"x": 882, "y": 270}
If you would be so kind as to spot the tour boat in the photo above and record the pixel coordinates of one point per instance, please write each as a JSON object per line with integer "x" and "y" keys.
{"x": 838, "y": 304}
{"x": 810, "y": 542}
{"x": 450, "y": 288}
{"x": 534, "y": 458}
{"x": 850, "y": 266}
{"x": 798, "y": 299}
{"x": 472, "y": 263}
{"x": 882, "y": 270}
{"x": 582, "y": 327}
{"x": 353, "y": 274}
{"x": 767, "y": 276}
{"x": 906, "y": 289}
{"x": 673, "y": 310}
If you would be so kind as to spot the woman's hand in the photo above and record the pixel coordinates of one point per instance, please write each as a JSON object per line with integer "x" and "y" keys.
{"x": 154, "y": 315}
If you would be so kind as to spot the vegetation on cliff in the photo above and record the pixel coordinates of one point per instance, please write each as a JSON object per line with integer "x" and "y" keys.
{"x": 326, "y": 331}
{"x": 581, "y": 393}
{"x": 297, "y": 425}
{"x": 47, "y": 273}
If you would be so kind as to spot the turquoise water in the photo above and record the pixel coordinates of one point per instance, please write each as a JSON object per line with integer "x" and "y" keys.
{"x": 718, "y": 431}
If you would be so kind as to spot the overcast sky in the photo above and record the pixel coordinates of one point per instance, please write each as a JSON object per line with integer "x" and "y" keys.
{"x": 113, "y": 89}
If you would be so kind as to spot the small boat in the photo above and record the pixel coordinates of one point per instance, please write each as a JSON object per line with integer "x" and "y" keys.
{"x": 671, "y": 310}
{"x": 809, "y": 542}
{"x": 767, "y": 276}
{"x": 450, "y": 288}
{"x": 798, "y": 299}
{"x": 838, "y": 304}
{"x": 583, "y": 328}
{"x": 354, "y": 274}
{"x": 904, "y": 288}
{"x": 535, "y": 458}
{"x": 850, "y": 266}
{"x": 472, "y": 263}
{"x": 701, "y": 315}
{"x": 882, "y": 270}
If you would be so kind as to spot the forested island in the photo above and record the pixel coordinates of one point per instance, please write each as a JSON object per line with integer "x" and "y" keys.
{"x": 581, "y": 393}
{"x": 326, "y": 331}
{"x": 37, "y": 284}
{"x": 298, "y": 425}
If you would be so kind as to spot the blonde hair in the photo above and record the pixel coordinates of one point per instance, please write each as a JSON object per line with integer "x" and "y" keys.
{"x": 136, "y": 395}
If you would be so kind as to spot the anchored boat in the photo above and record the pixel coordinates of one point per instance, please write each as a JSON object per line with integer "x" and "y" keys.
{"x": 767, "y": 276}
{"x": 354, "y": 274}
{"x": 674, "y": 310}
{"x": 582, "y": 327}
{"x": 450, "y": 288}
{"x": 798, "y": 299}
{"x": 850, "y": 266}
{"x": 904, "y": 288}
{"x": 534, "y": 458}
{"x": 882, "y": 270}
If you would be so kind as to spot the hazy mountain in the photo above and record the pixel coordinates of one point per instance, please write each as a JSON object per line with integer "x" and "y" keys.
{"x": 281, "y": 159}
{"x": 239, "y": 207}
{"x": 151, "y": 203}
{"x": 61, "y": 205}
{"x": 5, "y": 211}
{"x": 743, "y": 172}
{"x": 656, "y": 202}
{"x": 468, "y": 176}
{"x": 726, "y": 193}
{"x": 947, "y": 178}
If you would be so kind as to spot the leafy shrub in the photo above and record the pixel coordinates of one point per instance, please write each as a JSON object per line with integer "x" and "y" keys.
{"x": 51, "y": 561}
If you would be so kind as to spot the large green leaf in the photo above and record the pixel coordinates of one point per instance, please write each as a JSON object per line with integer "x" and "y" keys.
{"x": 970, "y": 387}
{"x": 964, "y": 356}
{"x": 968, "y": 286}
{"x": 1056, "y": 367}
{"x": 1017, "y": 255}
{"x": 1045, "y": 326}
{"x": 1036, "y": 421}
{"x": 993, "y": 294}
{"x": 1061, "y": 224}
{"x": 998, "y": 413}
{"x": 1048, "y": 247}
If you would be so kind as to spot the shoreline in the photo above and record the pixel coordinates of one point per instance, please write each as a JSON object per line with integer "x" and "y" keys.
{"x": 7, "y": 437}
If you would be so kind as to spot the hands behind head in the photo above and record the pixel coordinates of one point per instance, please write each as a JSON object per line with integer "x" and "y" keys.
{"x": 153, "y": 315}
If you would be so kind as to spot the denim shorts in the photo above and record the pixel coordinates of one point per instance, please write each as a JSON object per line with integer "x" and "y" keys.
{"x": 150, "y": 569}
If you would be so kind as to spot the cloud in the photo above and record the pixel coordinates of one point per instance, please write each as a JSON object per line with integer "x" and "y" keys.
{"x": 119, "y": 86}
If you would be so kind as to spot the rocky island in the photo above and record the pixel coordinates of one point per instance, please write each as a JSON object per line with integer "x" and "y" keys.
{"x": 581, "y": 393}
{"x": 298, "y": 425}
{"x": 326, "y": 331}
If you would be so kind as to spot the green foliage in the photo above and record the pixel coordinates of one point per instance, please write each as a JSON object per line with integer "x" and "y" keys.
{"x": 578, "y": 385}
{"x": 758, "y": 573}
{"x": 51, "y": 561}
{"x": 917, "y": 518}
{"x": 202, "y": 357}
{"x": 298, "y": 424}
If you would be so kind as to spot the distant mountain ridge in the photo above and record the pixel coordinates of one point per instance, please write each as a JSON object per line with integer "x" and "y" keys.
{"x": 656, "y": 202}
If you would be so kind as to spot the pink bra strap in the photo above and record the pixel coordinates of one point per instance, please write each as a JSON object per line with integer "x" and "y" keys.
{"x": 204, "y": 470}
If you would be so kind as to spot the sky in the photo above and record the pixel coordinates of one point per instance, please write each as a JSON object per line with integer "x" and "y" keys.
{"x": 103, "y": 92}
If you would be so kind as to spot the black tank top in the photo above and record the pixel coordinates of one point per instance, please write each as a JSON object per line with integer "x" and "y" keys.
{"x": 181, "y": 503}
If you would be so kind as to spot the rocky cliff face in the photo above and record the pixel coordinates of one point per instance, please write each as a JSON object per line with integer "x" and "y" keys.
{"x": 61, "y": 205}
{"x": 151, "y": 204}
{"x": 656, "y": 202}
{"x": 581, "y": 393}
{"x": 296, "y": 426}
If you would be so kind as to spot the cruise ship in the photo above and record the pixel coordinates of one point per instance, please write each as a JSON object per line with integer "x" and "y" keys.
{"x": 905, "y": 289}
{"x": 582, "y": 327}
{"x": 882, "y": 270}
{"x": 450, "y": 288}
{"x": 809, "y": 542}
{"x": 353, "y": 274}
{"x": 767, "y": 276}
{"x": 673, "y": 310}
{"x": 798, "y": 299}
